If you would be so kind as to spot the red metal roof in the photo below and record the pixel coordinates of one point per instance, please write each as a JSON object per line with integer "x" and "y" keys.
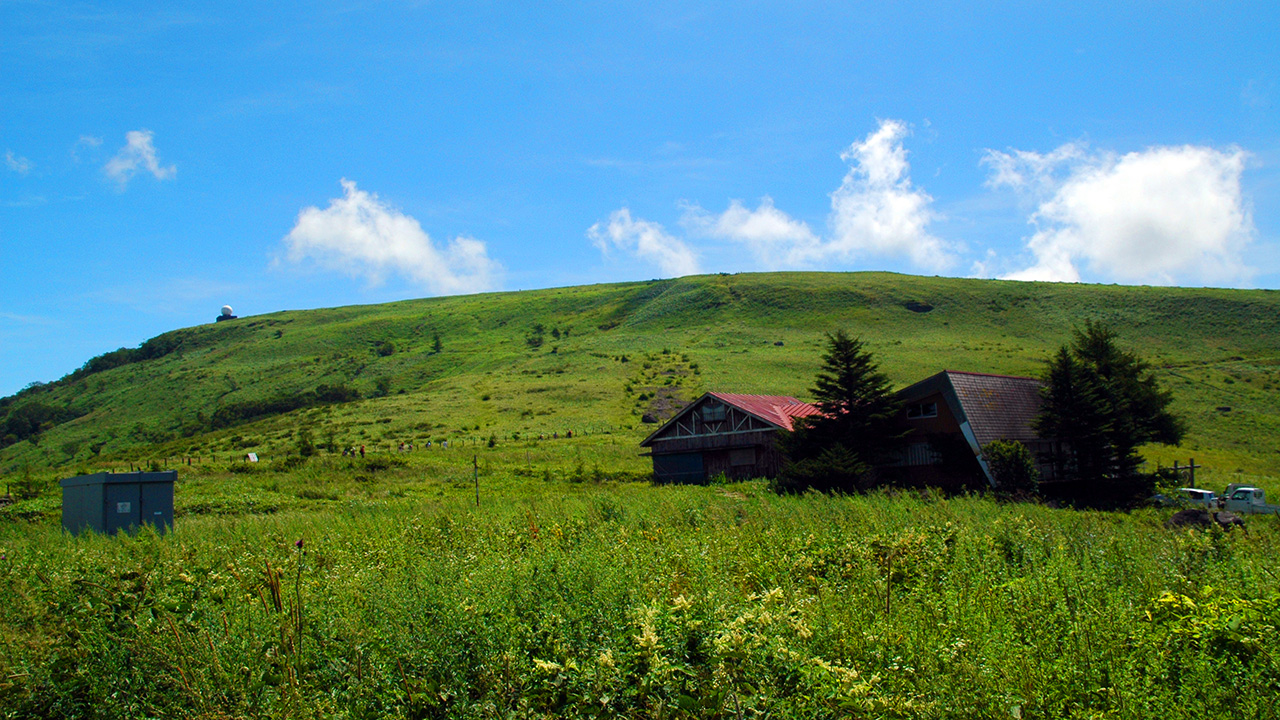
{"x": 781, "y": 410}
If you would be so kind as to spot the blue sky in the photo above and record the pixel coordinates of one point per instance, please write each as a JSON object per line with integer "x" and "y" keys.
{"x": 159, "y": 163}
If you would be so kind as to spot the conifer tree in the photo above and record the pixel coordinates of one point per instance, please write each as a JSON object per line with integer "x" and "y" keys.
{"x": 836, "y": 451}
{"x": 1103, "y": 403}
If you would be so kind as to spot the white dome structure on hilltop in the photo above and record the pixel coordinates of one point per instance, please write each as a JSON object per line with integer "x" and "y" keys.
{"x": 226, "y": 311}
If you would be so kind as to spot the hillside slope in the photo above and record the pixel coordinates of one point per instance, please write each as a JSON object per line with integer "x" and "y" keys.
{"x": 609, "y": 354}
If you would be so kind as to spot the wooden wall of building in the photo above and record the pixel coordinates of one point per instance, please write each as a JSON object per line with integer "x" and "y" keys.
{"x": 739, "y": 456}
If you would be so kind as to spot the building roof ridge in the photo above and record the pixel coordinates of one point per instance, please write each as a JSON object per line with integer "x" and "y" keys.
{"x": 995, "y": 375}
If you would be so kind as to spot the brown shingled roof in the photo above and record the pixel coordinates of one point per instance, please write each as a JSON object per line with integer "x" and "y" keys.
{"x": 998, "y": 407}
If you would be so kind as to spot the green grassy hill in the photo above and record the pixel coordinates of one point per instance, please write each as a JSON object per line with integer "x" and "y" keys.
{"x": 608, "y": 354}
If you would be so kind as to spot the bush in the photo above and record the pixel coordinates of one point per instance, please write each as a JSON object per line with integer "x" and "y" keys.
{"x": 291, "y": 462}
{"x": 30, "y": 419}
{"x": 245, "y": 411}
{"x": 1012, "y": 467}
{"x": 835, "y": 469}
{"x": 305, "y": 442}
{"x": 383, "y": 462}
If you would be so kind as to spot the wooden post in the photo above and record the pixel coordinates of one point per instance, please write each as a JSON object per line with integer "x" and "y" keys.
{"x": 475, "y": 470}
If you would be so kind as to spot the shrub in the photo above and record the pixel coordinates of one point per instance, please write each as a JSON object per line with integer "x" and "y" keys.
{"x": 290, "y": 462}
{"x": 375, "y": 463}
{"x": 1012, "y": 467}
{"x": 534, "y": 338}
{"x": 30, "y": 419}
{"x": 834, "y": 469}
{"x": 305, "y": 442}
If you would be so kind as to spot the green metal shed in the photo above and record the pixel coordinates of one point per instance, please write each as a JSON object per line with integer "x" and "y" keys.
{"x": 110, "y": 502}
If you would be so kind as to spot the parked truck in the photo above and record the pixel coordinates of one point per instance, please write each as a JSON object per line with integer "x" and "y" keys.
{"x": 1247, "y": 499}
{"x": 1195, "y": 497}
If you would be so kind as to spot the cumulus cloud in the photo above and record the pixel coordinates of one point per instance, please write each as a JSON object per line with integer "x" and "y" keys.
{"x": 363, "y": 236}
{"x": 138, "y": 153}
{"x": 1032, "y": 172}
{"x": 1162, "y": 215}
{"x": 645, "y": 240}
{"x": 774, "y": 237}
{"x": 16, "y": 163}
{"x": 875, "y": 211}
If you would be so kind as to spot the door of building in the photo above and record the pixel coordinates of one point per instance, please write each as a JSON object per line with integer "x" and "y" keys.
{"x": 123, "y": 506}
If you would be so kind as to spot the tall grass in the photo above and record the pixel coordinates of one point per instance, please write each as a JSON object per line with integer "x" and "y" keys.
{"x": 594, "y": 600}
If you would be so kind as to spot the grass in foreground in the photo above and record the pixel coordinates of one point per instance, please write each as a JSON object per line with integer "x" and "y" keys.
{"x": 597, "y": 600}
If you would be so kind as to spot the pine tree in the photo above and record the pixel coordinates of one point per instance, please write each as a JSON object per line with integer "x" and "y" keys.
{"x": 1104, "y": 403}
{"x": 835, "y": 451}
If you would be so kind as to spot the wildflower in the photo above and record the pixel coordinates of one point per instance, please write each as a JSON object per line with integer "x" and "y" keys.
{"x": 648, "y": 637}
{"x": 547, "y": 666}
{"x": 298, "y": 544}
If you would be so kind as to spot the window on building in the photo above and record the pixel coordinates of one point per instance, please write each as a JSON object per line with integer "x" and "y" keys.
{"x": 922, "y": 410}
{"x": 713, "y": 413}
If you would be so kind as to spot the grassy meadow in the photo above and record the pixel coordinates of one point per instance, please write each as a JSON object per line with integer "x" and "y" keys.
{"x": 331, "y": 586}
{"x": 399, "y": 597}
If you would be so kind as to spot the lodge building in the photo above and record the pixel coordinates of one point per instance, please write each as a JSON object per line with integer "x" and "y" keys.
{"x": 724, "y": 433}
{"x": 948, "y": 417}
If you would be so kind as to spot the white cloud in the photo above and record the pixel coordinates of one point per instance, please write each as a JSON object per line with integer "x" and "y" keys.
{"x": 776, "y": 239}
{"x": 878, "y": 211}
{"x": 1163, "y": 215}
{"x": 365, "y": 237}
{"x": 1027, "y": 171}
{"x": 88, "y": 141}
{"x": 138, "y": 152}
{"x": 645, "y": 240}
{"x": 16, "y": 163}
{"x": 875, "y": 211}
